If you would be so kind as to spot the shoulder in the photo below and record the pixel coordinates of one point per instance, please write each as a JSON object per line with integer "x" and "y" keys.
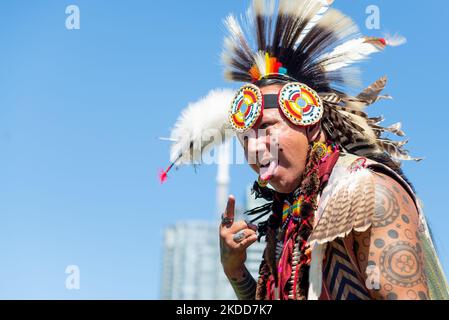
{"x": 357, "y": 197}
{"x": 390, "y": 250}
{"x": 395, "y": 222}
{"x": 393, "y": 203}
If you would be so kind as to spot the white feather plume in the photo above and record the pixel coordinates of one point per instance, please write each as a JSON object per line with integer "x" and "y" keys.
{"x": 395, "y": 40}
{"x": 348, "y": 53}
{"x": 197, "y": 122}
{"x": 325, "y": 5}
{"x": 259, "y": 59}
{"x": 358, "y": 49}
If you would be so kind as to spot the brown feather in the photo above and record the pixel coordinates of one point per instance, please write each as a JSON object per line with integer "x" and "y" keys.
{"x": 371, "y": 94}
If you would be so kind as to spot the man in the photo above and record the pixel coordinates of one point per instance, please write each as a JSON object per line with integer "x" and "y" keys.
{"x": 344, "y": 223}
{"x": 391, "y": 243}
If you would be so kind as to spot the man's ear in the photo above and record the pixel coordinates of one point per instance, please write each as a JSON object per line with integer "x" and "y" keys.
{"x": 313, "y": 132}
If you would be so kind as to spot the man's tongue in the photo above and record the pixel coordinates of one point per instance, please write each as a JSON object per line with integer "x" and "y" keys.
{"x": 267, "y": 172}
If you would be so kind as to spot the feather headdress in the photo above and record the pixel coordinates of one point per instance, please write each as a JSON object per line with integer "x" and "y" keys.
{"x": 315, "y": 45}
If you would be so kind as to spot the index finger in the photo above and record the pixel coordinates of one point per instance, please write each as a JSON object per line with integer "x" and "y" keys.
{"x": 230, "y": 208}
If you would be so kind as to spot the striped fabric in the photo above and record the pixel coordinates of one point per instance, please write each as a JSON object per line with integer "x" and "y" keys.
{"x": 341, "y": 278}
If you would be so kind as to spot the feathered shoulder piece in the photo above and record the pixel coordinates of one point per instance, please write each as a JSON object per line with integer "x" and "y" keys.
{"x": 347, "y": 202}
{"x": 309, "y": 42}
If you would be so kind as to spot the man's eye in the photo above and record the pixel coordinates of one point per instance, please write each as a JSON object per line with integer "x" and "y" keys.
{"x": 264, "y": 125}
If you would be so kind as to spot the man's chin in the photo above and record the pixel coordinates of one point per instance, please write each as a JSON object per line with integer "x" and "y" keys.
{"x": 283, "y": 185}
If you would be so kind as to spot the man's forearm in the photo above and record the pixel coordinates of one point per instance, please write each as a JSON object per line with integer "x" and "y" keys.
{"x": 243, "y": 284}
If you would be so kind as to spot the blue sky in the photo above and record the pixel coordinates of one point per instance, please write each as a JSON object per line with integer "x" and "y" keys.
{"x": 81, "y": 110}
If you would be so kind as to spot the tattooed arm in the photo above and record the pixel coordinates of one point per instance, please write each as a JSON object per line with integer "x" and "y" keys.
{"x": 390, "y": 250}
{"x": 243, "y": 284}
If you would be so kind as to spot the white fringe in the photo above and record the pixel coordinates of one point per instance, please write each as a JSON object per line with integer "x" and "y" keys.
{"x": 316, "y": 272}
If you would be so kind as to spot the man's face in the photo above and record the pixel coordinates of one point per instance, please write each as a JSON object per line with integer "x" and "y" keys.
{"x": 281, "y": 152}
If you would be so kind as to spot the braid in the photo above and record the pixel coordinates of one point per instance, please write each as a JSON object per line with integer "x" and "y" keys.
{"x": 310, "y": 187}
{"x": 264, "y": 273}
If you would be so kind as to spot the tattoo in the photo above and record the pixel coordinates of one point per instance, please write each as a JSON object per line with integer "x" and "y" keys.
{"x": 387, "y": 207}
{"x": 371, "y": 263}
{"x": 388, "y": 287}
{"x": 418, "y": 248}
{"x": 412, "y": 294}
{"x": 393, "y": 234}
{"x": 408, "y": 234}
{"x": 405, "y": 199}
{"x": 422, "y": 295}
{"x": 392, "y": 245}
{"x": 379, "y": 243}
{"x": 245, "y": 288}
{"x": 400, "y": 264}
{"x": 405, "y": 219}
{"x": 392, "y": 296}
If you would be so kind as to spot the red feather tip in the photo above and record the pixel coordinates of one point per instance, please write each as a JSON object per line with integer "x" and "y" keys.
{"x": 163, "y": 173}
{"x": 162, "y": 176}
